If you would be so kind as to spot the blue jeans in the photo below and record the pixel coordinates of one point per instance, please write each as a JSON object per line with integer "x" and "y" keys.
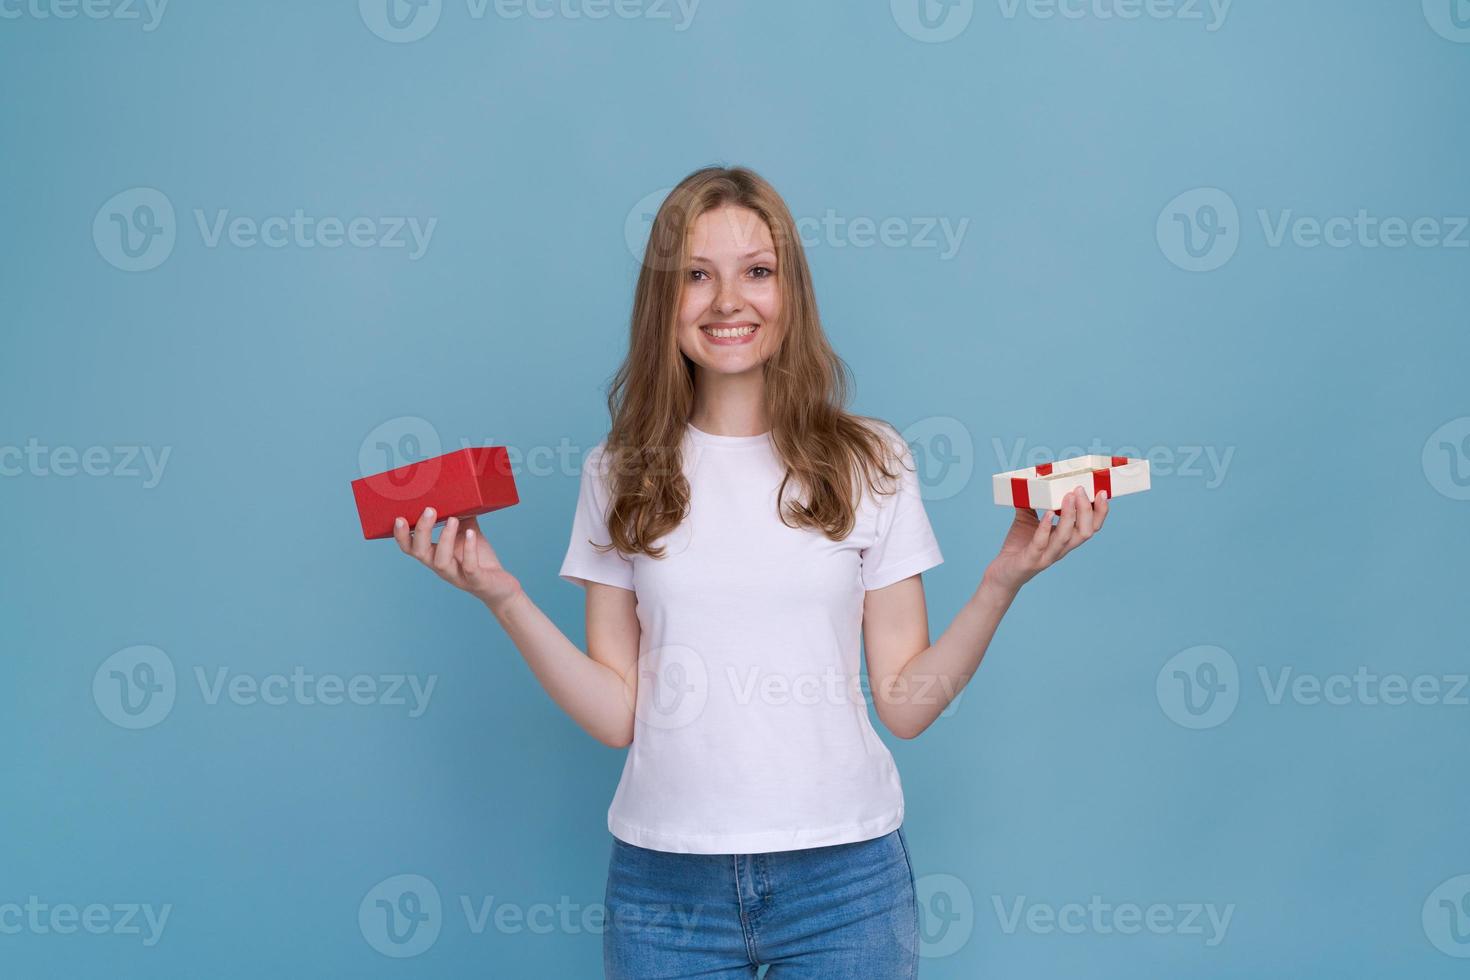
{"x": 844, "y": 910}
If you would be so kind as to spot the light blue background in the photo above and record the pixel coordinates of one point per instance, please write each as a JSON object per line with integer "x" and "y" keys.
{"x": 1329, "y": 542}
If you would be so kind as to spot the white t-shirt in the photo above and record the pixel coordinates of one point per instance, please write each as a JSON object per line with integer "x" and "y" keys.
{"x": 752, "y": 730}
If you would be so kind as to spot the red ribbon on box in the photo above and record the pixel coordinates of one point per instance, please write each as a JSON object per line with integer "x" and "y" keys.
{"x": 1102, "y": 479}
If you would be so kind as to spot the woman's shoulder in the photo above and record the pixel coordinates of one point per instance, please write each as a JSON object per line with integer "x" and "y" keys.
{"x": 595, "y": 465}
{"x": 893, "y": 440}
{"x": 597, "y": 453}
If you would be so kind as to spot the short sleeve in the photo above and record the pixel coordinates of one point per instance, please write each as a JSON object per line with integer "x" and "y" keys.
{"x": 904, "y": 543}
{"x": 583, "y": 563}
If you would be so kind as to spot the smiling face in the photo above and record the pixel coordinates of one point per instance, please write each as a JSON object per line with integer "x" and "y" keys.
{"x": 729, "y": 302}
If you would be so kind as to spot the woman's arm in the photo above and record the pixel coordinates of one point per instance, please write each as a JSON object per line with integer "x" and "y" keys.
{"x": 912, "y": 680}
{"x": 598, "y": 689}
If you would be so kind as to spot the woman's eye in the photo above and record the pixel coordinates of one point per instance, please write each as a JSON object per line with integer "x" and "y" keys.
{"x": 756, "y": 271}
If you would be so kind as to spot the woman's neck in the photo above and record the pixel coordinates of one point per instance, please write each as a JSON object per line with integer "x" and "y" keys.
{"x": 730, "y": 405}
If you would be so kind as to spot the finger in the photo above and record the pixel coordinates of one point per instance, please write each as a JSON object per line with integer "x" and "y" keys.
{"x": 444, "y": 550}
{"x": 423, "y": 533}
{"x": 1066, "y": 525}
{"x": 1084, "y": 528}
{"x": 1042, "y": 532}
{"x": 484, "y": 553}
{"x": 466, "y": 525}
{"x": 471, "y": 562}
{"x": 1101, "y": 506}
{"x": 400, "y": 534}
{"x": 1085, "y": 518}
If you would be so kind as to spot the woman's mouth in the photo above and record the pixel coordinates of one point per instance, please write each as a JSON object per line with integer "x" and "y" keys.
{"x": 727, "y": 334}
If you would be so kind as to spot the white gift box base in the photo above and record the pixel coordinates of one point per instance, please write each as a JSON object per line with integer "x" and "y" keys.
{"x": 1042, "y": 487}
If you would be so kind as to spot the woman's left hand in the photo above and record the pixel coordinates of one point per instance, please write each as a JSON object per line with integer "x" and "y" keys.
{"x": 1033, "y": 543}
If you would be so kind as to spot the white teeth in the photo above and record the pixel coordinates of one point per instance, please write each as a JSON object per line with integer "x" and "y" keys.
{"x": 730, "y": 332}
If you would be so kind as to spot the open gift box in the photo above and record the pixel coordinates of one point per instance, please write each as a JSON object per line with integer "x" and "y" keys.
{"x": 1043, "y": 486}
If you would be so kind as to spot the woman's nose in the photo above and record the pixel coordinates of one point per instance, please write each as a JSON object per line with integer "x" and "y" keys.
{"x": 728, "y": 298}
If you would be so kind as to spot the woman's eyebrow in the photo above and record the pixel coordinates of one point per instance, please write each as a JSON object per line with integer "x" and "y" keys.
{"x": 747, "y": 255}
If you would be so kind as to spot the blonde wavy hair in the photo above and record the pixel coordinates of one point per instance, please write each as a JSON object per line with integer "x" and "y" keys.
{"x": 826, "y": 450}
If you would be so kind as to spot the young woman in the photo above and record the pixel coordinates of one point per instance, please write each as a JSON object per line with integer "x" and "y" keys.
{"x": 737, "y": 532}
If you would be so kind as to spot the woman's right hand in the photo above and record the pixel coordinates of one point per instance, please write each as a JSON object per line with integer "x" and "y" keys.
{"x": 462, "y": 557}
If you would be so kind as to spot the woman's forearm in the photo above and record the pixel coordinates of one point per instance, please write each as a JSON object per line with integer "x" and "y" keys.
{"x": 591, "y": 692}
{"x": 935, "y": 676}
